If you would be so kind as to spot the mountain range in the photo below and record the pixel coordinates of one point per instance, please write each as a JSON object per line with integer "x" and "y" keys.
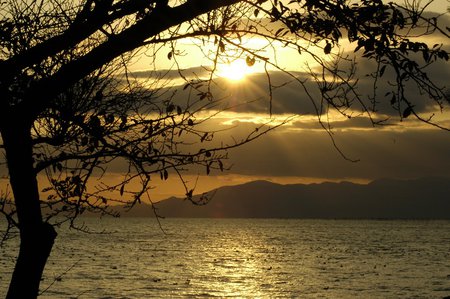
{"x": 425, "y": 198}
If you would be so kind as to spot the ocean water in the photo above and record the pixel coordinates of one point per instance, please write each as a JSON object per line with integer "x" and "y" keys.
{"x": 246, "y": 258}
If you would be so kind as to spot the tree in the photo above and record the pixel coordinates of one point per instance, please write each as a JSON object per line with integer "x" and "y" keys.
{"x": 68, "y": 106}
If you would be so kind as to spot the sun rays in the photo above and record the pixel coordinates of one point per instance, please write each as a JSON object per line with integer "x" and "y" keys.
{"x": 235, "y": 71}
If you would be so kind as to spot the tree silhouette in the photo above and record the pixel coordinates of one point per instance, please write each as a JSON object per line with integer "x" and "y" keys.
{"x": 69, "y": 106}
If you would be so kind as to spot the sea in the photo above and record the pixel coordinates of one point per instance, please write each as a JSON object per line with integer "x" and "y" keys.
{"x": 245, "y": 258}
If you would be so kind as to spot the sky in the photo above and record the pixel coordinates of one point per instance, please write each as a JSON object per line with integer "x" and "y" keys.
{"x": 301, "y": 151}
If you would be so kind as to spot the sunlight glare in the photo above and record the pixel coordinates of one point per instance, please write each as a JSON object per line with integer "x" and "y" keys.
{"x": 234, "y": 71}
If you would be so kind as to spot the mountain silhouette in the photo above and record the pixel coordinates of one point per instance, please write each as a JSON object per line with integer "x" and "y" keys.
{"x": 426, "y": 198}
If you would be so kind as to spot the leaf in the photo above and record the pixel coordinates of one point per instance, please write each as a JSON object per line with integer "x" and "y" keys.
{"x": 407, "y": 112}
{"x": 327, "y": 48}
{"x": 275, "y": 13}
{"x": 393, "y": 99}
{"x": 250, "y": 61}
{"x": 122, "y": 189}
{"x": 443, "y": 55}
{"x": 256, "y": 13}
{"x": 109, "y": 119}
{"x": 78, "y": 190}
{"x": 170, "y": 108}
{"x": 149, "y": 147}
{"x": 221, "y": 46}
{"x": 360, "y": 45}
{"x": 383, "y": 68}
{"x": 123, "y": 120}
{"x": 166, "y": 174}
{"x": 278, "y": 31}
{"x": 170, "y": 55}
{"x": 98, "y": 96}
{"x": 369, "y": 45}
{"x": 426, "y": 55}
{"x": 190, "y": 122}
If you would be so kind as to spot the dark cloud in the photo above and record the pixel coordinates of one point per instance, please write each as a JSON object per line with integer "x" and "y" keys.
{"x": 375, "y": 95}
{"x": 382, "y": 153}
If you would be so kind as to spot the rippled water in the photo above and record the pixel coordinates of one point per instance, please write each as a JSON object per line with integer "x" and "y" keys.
{"x": 248, "y": 258}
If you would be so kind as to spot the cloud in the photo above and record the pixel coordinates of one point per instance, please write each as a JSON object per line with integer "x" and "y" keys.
{"x": 252, "y": 95}
{"x": 382, "y": 153}
{"x": 190, "y": 73}
{"x": 299, "y": 93}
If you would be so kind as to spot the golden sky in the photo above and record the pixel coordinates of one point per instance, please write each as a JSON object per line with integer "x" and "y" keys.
{"x": 302, "y": 152}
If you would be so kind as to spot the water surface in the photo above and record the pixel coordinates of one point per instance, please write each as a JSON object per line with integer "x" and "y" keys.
{"x": 250, "y": 258}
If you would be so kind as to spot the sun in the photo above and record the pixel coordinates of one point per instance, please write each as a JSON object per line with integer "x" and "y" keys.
{"x": 234, "y": 71}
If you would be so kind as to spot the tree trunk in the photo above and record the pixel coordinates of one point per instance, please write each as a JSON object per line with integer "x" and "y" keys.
{"x": 36, "y": 237}
{"x": 35, "y": 248}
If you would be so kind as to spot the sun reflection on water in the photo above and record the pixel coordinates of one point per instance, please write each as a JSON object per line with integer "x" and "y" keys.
{"x": 236, "y": 263}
